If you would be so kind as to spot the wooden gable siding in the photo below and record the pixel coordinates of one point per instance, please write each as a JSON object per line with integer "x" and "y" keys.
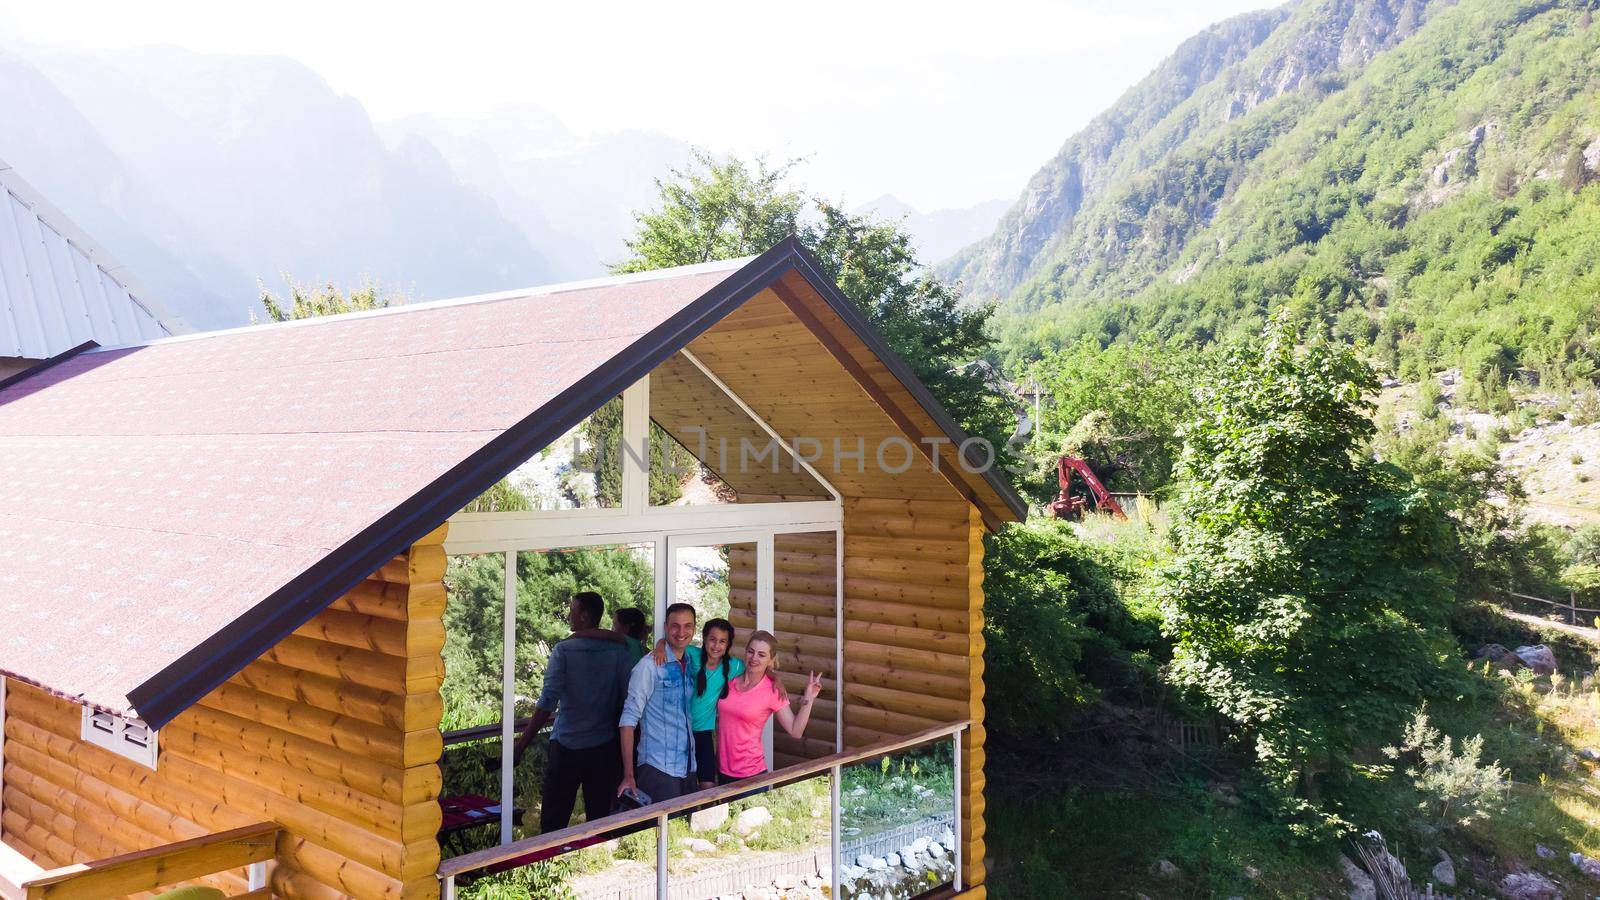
{"x": 333, "y": 734}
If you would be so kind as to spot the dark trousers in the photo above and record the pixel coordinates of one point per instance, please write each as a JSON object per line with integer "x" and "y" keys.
{"x": 660, "y": 786}
{"x": 598, "y": 770}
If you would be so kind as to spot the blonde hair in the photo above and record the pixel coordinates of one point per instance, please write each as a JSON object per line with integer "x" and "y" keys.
{"x": 766, "y": 637}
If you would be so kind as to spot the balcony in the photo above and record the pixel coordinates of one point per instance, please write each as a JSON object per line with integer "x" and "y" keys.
{"x": 879, "y": 820}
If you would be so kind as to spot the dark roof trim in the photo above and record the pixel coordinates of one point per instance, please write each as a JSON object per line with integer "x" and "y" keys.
{"x": 198, "y": 672}
{"x": 40, "y": 366}
{"x": 181, "y": 684}
{"x": 810, "y": 268}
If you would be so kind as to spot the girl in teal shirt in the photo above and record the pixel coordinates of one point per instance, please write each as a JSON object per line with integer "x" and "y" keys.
{"x": 712, "y": 669}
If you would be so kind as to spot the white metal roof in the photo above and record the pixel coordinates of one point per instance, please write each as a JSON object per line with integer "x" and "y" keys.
{"x": 58, "y": 288}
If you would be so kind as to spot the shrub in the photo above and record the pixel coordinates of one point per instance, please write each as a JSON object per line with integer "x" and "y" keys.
{"x": 1453, "y": 786}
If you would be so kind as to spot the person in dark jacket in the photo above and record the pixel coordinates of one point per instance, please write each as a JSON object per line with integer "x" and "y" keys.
{"x": 585, "y": 681}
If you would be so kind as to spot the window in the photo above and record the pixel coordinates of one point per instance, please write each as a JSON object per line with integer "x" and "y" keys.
{"x": 128, "y": 738}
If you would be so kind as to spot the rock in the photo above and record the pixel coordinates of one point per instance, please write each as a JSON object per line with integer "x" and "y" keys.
{"x": 936, "y": 850}
{"x": 1444, "y": 871}
{"x": 708, "y": 819}
{"x": 699, "y": 845}
{"x": 878, "y": 864}
{"x": 1361, "y": 886}
{"x": 750, "y": 820}
{"x": 1252, "y": 873}
{"x": 1590, "y": 753}
{"x": 784, "y": 882}
{"x": 1498, "y": 655}
{"x": 1587, "y": 865}
{"x": 1528, "y": 886}
{"x": 864, "y": 861}
{"x": 1539, "y": 658}
{"x": 1165, "y": 868}
{"x": 893, "y": 860}
{"x": 1543, "y": 852}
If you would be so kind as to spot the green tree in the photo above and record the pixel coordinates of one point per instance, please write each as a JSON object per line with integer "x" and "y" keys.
{"x": 720, "y": 209}
{"x": 308, "y": 301}
{"x": 1119, "y": 407}
{"x": 1309, "y": 583}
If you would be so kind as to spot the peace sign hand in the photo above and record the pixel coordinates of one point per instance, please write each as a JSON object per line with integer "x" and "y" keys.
{"x": 813, "y": 686}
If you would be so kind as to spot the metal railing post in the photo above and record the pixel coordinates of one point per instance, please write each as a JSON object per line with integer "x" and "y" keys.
{"x": 447, "y": 891}
{"x": 955, "y": 743}
{"x": 835, "y": 786}
{"x": 661, "y": 857}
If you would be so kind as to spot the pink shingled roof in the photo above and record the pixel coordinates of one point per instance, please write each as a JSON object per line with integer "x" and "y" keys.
{"x": 151, "y": 495}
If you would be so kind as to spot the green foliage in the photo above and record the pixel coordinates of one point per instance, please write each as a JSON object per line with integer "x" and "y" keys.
{"x": 1309, "y": 584}
{"x": 307, "y": 301}
{"x": 1055, "y": 627}
{"x": 1453, "y": 786}
{"x": 1118, "y": 407}
{"x": 670, "y": 463}
{"x": 1335, "y": 216}
{"x": 724, "y": 209}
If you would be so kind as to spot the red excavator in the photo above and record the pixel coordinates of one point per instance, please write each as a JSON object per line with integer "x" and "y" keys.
{"x": 1068, "y": 505}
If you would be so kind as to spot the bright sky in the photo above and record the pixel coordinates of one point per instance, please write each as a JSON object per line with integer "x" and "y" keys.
{"x": 939, "y": 103}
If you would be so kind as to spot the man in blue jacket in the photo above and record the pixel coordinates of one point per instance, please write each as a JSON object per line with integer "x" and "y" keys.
{"x": 656, "y": 717}
{"x": 586, "y": 681}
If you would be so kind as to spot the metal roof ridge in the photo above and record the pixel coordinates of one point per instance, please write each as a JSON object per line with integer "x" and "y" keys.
{"x": 544, "y": 290}
{"x": 50, "y": 215}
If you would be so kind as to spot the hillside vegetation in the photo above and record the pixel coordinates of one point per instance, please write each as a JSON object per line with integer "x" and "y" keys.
{"x": 1419, "y": 177}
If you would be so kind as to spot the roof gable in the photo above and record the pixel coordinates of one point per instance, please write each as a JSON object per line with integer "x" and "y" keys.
{"x": 183, "y": 505}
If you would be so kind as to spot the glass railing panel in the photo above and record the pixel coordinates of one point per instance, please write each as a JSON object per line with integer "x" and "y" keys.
{"x": 773, "y": 843}
{"x": 897, "y": 823}
{"x": 616, "y": 865}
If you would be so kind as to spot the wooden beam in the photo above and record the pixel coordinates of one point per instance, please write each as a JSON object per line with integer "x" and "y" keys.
{"x": 146, "y": 870}
{"x": 891, "y": 409}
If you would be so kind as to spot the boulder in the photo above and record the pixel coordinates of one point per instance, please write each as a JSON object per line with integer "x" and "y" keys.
{"x": 1585, "y": 864}
{"x": 893, "y": 860}
{"x": 1444, "y": 871}
{"x": 1539, "y": 658}
{"x": 1361, "y": 885}
{"x": 1165, "y": 868}
{"x": 1590, "y": 753}
{"x": 699, "y": 845}
{"x": 750, "y": 820}
{"x": 709, "y": 819}
{"x": 1528, "y": 886}
{"x": 1543, "y": 852}
{"x": 1498, "y": 655}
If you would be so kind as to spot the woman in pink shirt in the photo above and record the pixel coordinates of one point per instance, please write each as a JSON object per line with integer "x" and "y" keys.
{"x": 748, "y": 702}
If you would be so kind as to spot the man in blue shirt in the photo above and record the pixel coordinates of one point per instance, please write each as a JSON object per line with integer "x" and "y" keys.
{"x": 656, "y": 717}
{"x": 586, "y": 681}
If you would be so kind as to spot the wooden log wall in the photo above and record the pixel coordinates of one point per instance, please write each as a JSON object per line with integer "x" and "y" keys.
{"x": 805, "y": 574}
{"x": 913, "y": 650}
{"x": 333, "y": 733}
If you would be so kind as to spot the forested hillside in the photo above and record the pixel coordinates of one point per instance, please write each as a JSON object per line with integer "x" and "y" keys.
{"x": 1415, "y": 175}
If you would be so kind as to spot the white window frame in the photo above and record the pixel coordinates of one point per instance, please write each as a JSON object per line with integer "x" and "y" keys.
{"x": 664, "y": 528}
{"x": 128, "y": 738}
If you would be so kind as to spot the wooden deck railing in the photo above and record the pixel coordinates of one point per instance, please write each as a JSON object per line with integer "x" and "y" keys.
{"x": 576, "y": 836}
{"x": 142, "y": 870}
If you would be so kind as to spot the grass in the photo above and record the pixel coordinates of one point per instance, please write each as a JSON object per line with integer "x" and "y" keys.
{"x": 1059, "y": 836}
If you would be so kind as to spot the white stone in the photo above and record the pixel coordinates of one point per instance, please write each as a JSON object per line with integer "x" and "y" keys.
{"x": 936, "y": 850}
{"x": 864, "y": 861}
{"x": 708, "y": 819}
{"x": 783, "y": 882}
{"x": 750, "y": 820}
{"x": 878, "y": 864}
{"x": 893, "y": 860}
{"x": 1361, "y": 885}
{"x": 699, "y": 845}
{"x": 1444, "y": 871}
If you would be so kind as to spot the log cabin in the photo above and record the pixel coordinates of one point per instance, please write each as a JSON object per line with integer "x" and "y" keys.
{"x": 223, "y": 570}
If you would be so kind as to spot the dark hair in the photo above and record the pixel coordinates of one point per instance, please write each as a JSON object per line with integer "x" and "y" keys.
{"x": 631, "y": 620}
{"x": 679, "y": 607}
{"x": 700, "y": 676}
{"x": 592, "y": 605}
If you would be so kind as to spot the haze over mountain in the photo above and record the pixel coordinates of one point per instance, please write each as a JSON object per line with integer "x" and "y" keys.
{"x": 1419, "y": 176}
{"x": 572, "y": 195}
{"x": 942, "y": 232}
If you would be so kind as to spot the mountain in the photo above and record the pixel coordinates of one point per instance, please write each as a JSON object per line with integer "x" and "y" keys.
{"x": 282, "y": 176}
{"x": 942, "y": 232}
{"x": 574, "y": 196}
{"x": 61, "y": 154}
{"x": 1419, "y": 177}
